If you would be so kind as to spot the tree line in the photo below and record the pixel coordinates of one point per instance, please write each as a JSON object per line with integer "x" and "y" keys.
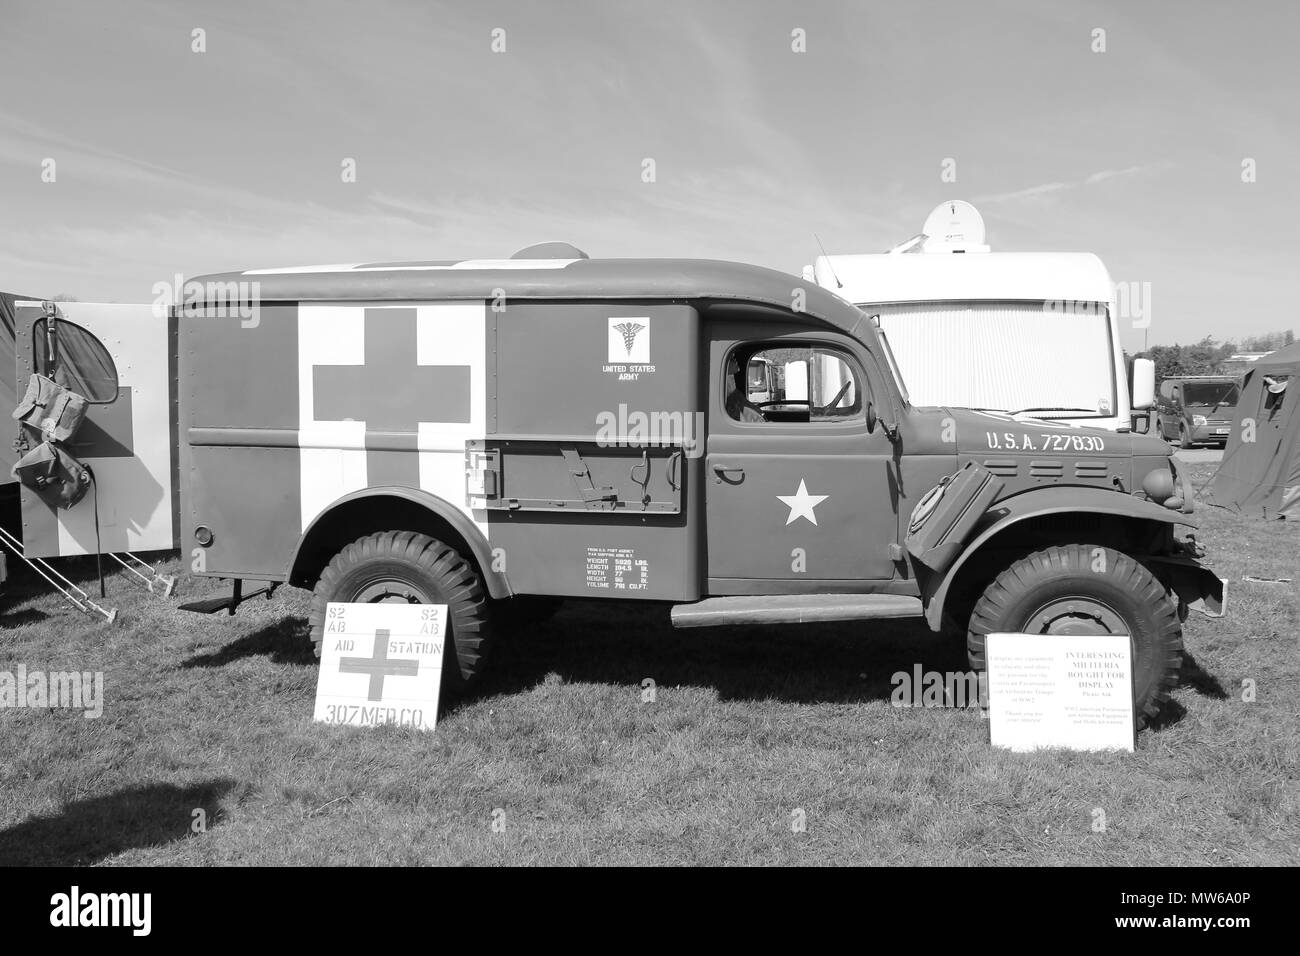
{"x": 1207, "y": 357}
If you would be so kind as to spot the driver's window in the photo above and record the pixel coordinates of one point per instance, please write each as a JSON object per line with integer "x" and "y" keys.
{"x": 794, "y": 384}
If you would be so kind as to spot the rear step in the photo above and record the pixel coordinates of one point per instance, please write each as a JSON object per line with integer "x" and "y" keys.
{"x": 794, "y": 609}
{"x": 230, "y": 601}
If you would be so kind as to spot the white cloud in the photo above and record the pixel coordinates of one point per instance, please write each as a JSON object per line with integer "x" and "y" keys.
{"x": 1047, "y": 189}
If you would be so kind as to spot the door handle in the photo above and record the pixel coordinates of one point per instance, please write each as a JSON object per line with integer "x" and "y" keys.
{"x": 721, "y": 471}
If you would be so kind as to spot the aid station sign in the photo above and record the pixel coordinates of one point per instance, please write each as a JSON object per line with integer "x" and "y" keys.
{"x": 381, "y": 664}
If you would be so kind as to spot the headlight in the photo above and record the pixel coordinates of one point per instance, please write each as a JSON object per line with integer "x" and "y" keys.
{"x": 1159, "y": 485}
{"x": 1198, "y": 420}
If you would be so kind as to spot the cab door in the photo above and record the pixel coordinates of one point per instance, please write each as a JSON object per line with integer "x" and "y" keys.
{"x": 798, "y": 491}
{"x": 118, "y": 357}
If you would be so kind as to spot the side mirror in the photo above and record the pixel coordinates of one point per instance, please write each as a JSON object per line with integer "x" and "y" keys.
{"x": 1140, "y": 422}
{"x": 871, "y": 416}
{"x": 1144, "y": 383}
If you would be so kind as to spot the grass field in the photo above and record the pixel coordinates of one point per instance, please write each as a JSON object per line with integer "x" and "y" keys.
{"x": 750, "y": 732}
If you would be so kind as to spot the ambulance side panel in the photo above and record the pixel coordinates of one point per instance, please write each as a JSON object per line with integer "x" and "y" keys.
{"x": 239, "y": 456}
{"x": 594, "y": 434}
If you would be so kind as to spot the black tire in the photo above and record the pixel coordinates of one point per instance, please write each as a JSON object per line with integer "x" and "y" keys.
{"x": 403, "y": 565}
{"x": 1183, "y": 440}
{"x": 1122, "y": 593}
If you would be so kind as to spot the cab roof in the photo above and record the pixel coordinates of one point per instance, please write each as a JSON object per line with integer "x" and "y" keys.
{"x": 540, "y": 278}
{"x": 881, "y": 278}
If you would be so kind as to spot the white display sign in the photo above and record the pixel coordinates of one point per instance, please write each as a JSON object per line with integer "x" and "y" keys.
{"x": 381, "y": 664}
{"x": 1059, "y": 690}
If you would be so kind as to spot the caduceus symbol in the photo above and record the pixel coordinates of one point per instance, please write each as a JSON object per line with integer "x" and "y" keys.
{"x": 629, "y": 331}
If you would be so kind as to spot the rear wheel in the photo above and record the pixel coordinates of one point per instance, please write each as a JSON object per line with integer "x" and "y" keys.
{"x": 1085, "y": 589}
{"x": 403, "y": 567}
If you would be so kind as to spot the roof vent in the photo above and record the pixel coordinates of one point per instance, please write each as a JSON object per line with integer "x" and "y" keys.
{"x": 550, "y": 250}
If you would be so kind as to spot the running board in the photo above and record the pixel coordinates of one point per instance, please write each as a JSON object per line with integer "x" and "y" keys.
{"x": 794, "y": 609}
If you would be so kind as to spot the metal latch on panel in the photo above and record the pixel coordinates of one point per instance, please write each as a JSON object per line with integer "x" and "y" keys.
{"x": 644, "y": 480}
{"x": 599, "y": 499}
{"x": 482, "y": 475}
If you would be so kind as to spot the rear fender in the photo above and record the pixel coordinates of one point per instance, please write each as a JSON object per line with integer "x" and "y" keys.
{"x": 375, "y": 500}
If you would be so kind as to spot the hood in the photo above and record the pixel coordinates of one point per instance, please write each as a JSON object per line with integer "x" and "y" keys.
{"x": 979, "y": 433}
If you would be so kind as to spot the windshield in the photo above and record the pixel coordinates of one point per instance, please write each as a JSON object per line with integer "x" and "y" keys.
{"x": 1223, "y": 394}
{"x": 1009, "y": 356}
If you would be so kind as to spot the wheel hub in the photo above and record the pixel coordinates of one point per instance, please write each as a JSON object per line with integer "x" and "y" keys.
{"x": 1075, "y": 615}
{"x": 389, "y": 592}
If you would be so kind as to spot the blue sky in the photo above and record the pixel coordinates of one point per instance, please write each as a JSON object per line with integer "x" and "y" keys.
{"x": 173, "y": 161}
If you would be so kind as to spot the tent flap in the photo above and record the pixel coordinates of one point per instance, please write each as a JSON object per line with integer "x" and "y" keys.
{"x": 1260, "y": 473}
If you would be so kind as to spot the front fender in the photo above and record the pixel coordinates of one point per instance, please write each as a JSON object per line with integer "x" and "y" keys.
{"x": 1035, "y": 504}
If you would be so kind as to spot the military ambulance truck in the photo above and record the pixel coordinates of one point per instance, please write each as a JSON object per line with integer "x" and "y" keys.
{"x": 494, "y": 435}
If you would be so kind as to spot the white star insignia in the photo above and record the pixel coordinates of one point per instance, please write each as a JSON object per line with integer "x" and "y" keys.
{"x": 801, "y": 504}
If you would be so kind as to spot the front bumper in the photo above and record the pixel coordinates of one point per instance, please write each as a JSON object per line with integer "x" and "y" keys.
{"x": 1211, "y": 432}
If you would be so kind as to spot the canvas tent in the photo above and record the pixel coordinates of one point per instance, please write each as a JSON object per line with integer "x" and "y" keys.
{"x": 1260, "y": 474}
{"x": 8, "y": 373}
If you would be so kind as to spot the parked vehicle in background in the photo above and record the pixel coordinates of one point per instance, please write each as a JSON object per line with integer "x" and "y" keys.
{"x": 1032, "y": 334}
{"x": 1197, "y": 409}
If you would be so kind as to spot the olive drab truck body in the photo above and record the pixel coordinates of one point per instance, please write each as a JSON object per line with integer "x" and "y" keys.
{"x": 492, "y": 433}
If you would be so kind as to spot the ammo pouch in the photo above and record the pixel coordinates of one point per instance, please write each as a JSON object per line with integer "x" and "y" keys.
{"x": 51, "y": 409}
{"x": 58, "y": 478}
{"x": 55, "y": 413}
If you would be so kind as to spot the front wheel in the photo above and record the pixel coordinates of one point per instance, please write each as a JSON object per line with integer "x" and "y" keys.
{"x": 1184, "y": 439}
{"x": 1087, "y": 589}
{"x": 402, "y": 567}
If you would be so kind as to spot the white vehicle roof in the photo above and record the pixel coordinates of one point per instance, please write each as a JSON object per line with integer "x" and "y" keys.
{"x": 996, "y": 276}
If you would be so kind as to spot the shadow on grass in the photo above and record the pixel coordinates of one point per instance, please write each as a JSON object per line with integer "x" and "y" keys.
{"x": 28, "y": 615}
{"x": 1195, "y": 676}
{"x": 87, "y": 831}
{"x": 1192, "y": 675}
{"x": 287, "y": 641}
{"x": 810, "y": 663}
{"x": 591, "y": 642}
